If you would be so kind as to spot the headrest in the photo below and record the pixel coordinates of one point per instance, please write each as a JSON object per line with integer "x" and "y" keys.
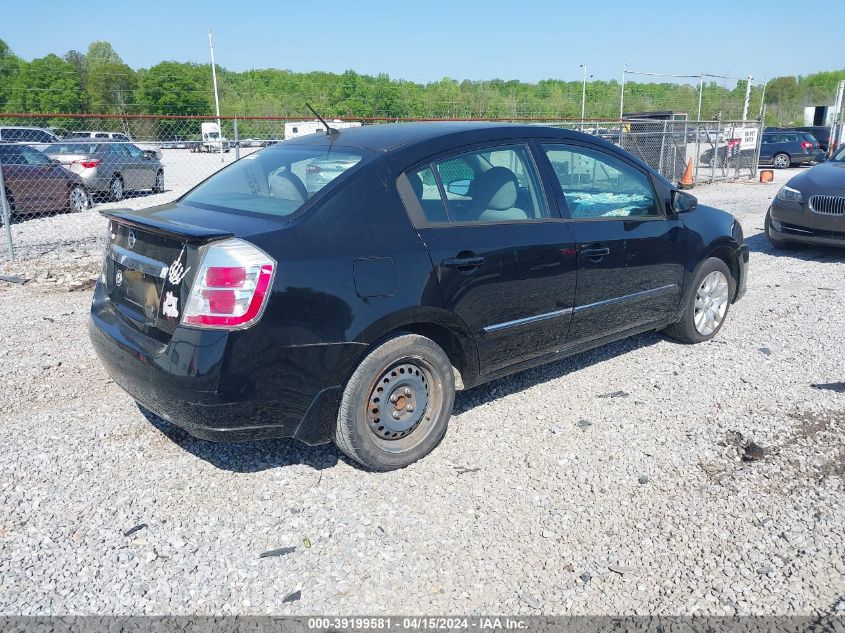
{"x": 496, "y": 188}
{"x": 287, "y": 186}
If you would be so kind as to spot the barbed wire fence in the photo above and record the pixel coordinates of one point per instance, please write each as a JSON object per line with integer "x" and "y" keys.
{"x": 58, "y": 170}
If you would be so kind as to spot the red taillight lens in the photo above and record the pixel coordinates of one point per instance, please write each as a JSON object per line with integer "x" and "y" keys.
{"x": 806, "y": 144}
{"x": 225, "y": 276}
{"x": 88, "y": 164}
{"x": 231, "y": 288}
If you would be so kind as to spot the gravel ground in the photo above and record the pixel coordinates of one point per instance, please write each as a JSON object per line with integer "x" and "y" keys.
{"x": 645, "y": 477}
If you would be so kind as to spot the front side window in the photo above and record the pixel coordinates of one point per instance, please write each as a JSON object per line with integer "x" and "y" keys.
{"x": 276, "y": 181}
{"x": 597, "y": 185}
{"x": 488, "y": 185}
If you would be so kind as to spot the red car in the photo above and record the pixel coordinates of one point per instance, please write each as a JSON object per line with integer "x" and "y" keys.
{"x": 36, "y": 183}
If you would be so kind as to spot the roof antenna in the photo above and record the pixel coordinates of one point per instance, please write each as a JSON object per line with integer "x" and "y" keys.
{"x": 330, "y": 131}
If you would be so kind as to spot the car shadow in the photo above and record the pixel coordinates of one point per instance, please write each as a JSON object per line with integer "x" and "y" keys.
{"x": 259, "y": 455}
{"x": 251, "y": 456}
{"x": 759, "y": 243}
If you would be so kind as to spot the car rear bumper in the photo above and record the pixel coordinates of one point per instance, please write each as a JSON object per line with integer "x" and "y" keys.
{"x": 223, "y": 386}
{"x": 790, "y": 222}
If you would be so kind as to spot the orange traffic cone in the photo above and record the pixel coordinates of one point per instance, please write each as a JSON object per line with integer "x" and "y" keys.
{"x": 686, "y": 181}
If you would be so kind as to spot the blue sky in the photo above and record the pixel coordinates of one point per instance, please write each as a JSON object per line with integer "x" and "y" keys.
{"x": 527, "y": 40}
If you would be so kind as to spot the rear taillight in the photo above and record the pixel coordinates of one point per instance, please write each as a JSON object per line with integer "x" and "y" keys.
{"x": 88, "y": 164}
{"x": 231, "y": 287}
{"x": 806, "y": 145}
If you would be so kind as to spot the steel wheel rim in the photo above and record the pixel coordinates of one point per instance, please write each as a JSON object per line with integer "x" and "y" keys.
{"x": 402, "y": 404}
{"x": 78, "y": 199}
{"x": 780, "y": 161}
{"x": 117, "y": 188}
{"x": 711, "y": 303}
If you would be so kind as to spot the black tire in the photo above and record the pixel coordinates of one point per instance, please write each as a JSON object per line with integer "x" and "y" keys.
{"x": 116, "y": 194}
{"x": 779, "y": 245}
{"x": 685, "y": 330}
{"x": 781, "y": 158}
{"x": 415, "y": 371}
{"x": 158, "y": 183}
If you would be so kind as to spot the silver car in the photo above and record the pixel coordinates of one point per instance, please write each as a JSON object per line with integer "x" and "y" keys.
{"x": 111, "y": 168}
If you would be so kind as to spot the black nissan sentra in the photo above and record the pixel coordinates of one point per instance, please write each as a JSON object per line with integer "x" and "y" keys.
{"x": 273, "y": 300}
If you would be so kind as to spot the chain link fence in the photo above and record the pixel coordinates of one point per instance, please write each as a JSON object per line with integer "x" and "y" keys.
{"x": 57, "y": 169}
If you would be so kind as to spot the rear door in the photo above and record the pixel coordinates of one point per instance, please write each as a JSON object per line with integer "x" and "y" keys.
{"x": 504, "y": 261}
{"x": 630, "y": 264}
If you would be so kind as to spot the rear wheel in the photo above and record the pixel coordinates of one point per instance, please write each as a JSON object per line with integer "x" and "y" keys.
{"x": 116, "y": 191}
{"x": 397, "y": 404}
{"x": 78, "y": 199}
{"x": 781, "y": 161}
{"x": 706, "y": 304}
{"x": 158, "y": 186}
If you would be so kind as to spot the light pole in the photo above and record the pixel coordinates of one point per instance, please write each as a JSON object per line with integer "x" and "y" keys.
{"x": 583, "y": 91}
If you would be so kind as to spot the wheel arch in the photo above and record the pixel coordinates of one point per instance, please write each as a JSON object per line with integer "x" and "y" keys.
{"x": 438, "y": 324}
{"x": 727, "y": 252}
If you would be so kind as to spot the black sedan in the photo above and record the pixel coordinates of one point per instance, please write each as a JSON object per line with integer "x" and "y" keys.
{"x": 443, "y": 255}
{"x": 810, "y": 207}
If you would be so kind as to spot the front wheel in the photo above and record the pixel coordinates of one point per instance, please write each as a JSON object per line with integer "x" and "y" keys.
{"x": 706, "y": 304}
{"x": 397, "y": 404}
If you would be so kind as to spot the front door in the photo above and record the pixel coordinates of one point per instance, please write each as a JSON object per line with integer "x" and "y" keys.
{"x": 630, "y": 254}
{"x": 504, "y": 264}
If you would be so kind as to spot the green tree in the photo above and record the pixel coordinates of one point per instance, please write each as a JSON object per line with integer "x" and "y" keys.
{"x": 10, "y": 65}
{"x": 48, "y": 84}
{"x": 175, "y": 88}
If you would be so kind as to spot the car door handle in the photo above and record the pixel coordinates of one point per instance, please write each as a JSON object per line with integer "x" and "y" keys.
{"x": 463, "y": 262}
{"x": 595, "y": 253}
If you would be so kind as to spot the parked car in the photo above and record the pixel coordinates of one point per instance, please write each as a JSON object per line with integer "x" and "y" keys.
{"x": 810, "y": 207}
{"x": 35, "y": 183}
{"x": 782, "y": 149}
{"x": 35, "y": 137}
{"x": 820, "y": 132}
{"x": 111, "y": 168}
{"x": 443, "y": 255}
{"x": 113, "y": 136}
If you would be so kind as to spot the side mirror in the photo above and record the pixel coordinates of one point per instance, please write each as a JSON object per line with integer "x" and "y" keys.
{"x": 683, "y": 202}
{"x": 458, "y": 187}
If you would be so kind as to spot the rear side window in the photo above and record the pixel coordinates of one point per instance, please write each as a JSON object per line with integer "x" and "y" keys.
{"x": 597, "y": 185}
{"x": 487, "y": 185}
{"x": 71, "y": 148}
{"x": 276, "y": 181}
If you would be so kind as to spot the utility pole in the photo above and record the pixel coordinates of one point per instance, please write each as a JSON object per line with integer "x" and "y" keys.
{"x": 622, "y": 92}
{"x": 216, "y": 98}
{"x": 747, "y": 98}
{"x": 700, "y": 94}
{"x": 583, "y": 92}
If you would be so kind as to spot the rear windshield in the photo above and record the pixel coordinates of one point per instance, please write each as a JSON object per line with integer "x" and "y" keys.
{"x": 275, "y": 181}
{"x": 71, "y": 148}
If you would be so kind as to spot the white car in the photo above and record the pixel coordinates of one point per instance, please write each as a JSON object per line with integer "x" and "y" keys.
{"x": 117, "y": 137}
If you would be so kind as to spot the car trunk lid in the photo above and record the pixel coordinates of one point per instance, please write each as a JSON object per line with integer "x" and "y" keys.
{"x": 149, "y": 268}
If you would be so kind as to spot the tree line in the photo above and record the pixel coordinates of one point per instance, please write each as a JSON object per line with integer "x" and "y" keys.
{"x": 99, "y": 81}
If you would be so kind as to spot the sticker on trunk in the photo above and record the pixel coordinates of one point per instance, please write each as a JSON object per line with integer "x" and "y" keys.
{"x": 176, "y": 272}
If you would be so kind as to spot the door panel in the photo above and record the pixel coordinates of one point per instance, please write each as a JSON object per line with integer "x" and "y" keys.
{"x": 639, "y": 281}
{"x": 630, "y": 264}
{"x": 505, "y": 266}
{"x": 516, "y": 297}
